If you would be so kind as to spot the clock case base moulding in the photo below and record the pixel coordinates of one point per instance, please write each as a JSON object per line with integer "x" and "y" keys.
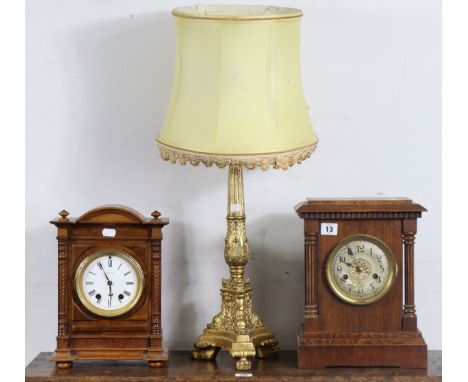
{"x": 136, "y": 335}
{"x": 156, "y": 358}
{"x": 397, "y": 349}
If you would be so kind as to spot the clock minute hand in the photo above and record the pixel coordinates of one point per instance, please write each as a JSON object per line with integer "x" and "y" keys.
{"x": 100, "y": 266}
{"x": 108, "y": 281}
{"x": 350, "y": 252}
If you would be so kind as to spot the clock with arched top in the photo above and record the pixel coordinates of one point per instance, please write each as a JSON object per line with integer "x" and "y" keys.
{"x": 109, "y": 286}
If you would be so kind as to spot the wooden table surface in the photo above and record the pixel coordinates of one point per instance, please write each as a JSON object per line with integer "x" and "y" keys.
{"x": 182, "y": 368}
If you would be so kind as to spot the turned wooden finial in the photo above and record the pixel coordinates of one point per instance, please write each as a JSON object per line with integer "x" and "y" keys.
{"x": 155, "y": 214}
{"x": 63, "y": 214}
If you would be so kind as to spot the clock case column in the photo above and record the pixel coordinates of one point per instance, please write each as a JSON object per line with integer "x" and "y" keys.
{"x": 317, "y": 345}
{"x": 157, "y": 355}
{"x": 62, "y": 356}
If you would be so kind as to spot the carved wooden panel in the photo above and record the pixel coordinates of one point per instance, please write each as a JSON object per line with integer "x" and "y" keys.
{"x": 110, "y": 343}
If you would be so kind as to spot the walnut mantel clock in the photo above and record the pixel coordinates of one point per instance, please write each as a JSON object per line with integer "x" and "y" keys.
{"x": 109, "y": 286}
{"x": 359, "y": 292}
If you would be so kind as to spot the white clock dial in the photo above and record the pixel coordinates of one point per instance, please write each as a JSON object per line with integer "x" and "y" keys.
{"x": 109, "y": 283}
{"x": 361, "y": 269}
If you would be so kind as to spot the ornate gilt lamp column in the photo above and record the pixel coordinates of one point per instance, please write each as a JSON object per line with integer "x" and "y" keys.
{"x": 237, "y": 101}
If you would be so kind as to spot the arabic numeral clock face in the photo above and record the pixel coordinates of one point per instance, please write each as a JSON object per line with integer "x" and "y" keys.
{"x": 109, "y": 283}
{"x": 361, "y": 269}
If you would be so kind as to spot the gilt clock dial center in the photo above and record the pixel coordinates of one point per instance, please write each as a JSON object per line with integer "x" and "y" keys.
{"x": 360, "y": 269}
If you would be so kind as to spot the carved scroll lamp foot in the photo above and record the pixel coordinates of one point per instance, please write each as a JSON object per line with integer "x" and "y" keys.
{"x": 205, "y": 354}
{"x": 244, "y": 364}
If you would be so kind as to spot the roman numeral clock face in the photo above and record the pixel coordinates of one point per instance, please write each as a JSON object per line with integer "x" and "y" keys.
{"x": 361, "y": 269}
{"x": 109, "y": 283}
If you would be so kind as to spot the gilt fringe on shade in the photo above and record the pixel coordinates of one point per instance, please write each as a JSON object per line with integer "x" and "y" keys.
{"x": 282, "y": 160}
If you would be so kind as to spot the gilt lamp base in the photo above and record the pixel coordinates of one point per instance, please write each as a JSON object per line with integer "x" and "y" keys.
{"x": 221, "y": 333}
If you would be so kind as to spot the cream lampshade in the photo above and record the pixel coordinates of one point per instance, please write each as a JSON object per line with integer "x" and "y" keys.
{"x": 237, "y": 94}
{"x": 237, "y": 101}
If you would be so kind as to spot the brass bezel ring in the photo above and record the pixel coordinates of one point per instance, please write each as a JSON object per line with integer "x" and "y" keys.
{"x": 392, "y": 266}
{"x": 78, "y": 282}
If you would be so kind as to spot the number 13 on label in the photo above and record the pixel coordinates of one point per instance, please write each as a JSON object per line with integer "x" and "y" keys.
{"x": 329, "y": 229}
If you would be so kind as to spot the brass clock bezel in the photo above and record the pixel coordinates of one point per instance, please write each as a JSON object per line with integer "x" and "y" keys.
{"x": 392, "y": 266}
{"x": 82, "y": 295}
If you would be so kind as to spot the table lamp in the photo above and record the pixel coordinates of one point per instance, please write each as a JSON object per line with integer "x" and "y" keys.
{"x": 237, "y": 101}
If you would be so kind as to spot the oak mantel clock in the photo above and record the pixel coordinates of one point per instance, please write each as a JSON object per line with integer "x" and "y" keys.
{"x": 109, "y": 286}
{"x": 359, "y": 292}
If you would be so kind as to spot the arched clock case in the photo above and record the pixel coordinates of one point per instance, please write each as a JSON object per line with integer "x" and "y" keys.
{"x": 109, "y": 286}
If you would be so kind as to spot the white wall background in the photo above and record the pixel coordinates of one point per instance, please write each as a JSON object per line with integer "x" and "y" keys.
{"x": 98, "y": 81}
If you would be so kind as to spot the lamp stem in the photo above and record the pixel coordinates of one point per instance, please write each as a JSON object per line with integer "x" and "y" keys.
{"x": 236, "y": 327}
{"x": 236, "y": 252}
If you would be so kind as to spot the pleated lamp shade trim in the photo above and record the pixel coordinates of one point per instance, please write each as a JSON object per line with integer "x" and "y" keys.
{"x": 277, "y": 160}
